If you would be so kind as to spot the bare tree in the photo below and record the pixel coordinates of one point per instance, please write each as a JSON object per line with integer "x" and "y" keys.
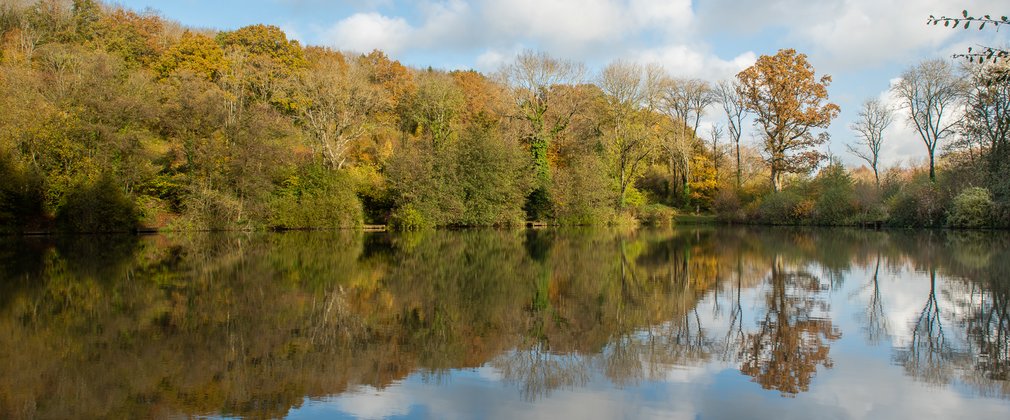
{"x": 874, "y": 117}
{"x": 930, "y": 91}
{"x": 530, "y": 80}
{"x": 987, "y": 121}
{"x": 716, "y": 133}
{"x": 728, "y": 96}
{"x": 684, "y": 101}
{"x": 341, "y": 101}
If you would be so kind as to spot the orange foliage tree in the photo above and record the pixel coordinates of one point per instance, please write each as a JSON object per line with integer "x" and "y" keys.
{"x": 788, "y": 102}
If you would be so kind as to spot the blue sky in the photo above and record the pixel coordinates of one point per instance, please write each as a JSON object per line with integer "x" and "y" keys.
{"x": 863, "y": 44}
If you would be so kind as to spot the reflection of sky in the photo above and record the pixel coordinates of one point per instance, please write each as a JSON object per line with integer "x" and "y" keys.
{"x": 864, "y": 382}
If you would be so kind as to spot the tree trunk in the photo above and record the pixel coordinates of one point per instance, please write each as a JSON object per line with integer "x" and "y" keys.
{"x": 932, "y": 167}
{"x": 738, "y": 165}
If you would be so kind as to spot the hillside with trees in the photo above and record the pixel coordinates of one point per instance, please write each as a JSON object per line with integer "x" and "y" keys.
{"x": 117, "y": 120}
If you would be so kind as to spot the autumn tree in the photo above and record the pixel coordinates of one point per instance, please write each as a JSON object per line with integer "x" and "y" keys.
{"x": 193, "y": 52}
{"x": 874, "y": 118}
{"x": 135, "y": 37}
{"x": 484, "y": 100}
{"x": 632, "y": 93}
{"x": 788, "y": 102}
{"x": 931, "y": 91}
{"x": 727, "y": 94}
{"x": 262, "y": 60}
{"x": 715, "y": 133}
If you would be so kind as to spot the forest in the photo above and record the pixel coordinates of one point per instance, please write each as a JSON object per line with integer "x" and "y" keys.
{"x": 117, "y": 120}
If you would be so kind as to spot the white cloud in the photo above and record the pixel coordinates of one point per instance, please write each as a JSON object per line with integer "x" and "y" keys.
{"x": 674, "y": 15}
{"x": 690, "y": 61}
{"x": 364, "y": 32}
{"x": 491, "y": 60}
{"x": 568, "y": 24}
{"x": 846, "y": 34}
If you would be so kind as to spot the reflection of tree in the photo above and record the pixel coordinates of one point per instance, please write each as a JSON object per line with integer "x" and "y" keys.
{"x": 791, "y": 341}
{"x": 735, "y": 333}
{"x": 988, "y": 327}
{"x": 876, "y": 320}
{"x": 929, "y": 354}
{"x": 537, "y": 371}
{"x": 249, "y": 325}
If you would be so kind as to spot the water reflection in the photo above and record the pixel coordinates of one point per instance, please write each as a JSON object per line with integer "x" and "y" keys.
{"x": 257, "y": 325}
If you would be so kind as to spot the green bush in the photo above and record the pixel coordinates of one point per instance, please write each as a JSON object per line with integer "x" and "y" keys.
{"x": 972, "y": 208}
{"x": 782, "y": 208}
{"x": 481, "y": 179}
{"x": 316, "y": 198}
{"x": 492, "y": 179}
{"x": 407, "y": 218}
{"x": 918, "y": 204}
{"x": 835, "y": 202}
{"x": 656, "y": 215}
{"x": 97, "y": 206}
{"x": 583, "y": 193}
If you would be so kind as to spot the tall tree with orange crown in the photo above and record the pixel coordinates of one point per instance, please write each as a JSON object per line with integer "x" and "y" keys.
{"x": 788, "y": 102}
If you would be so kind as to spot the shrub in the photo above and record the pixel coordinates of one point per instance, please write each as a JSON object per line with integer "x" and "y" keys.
{"x": 727, "y": 206}
{"x": 656, "y": 215}
{"x": 867, "y": 203}
{"x": 407, "y": 218}
{"x": 582, "y": 193}
{"x": 972, "y": 208}
{"x": 316, "y": 198}
{"x": 479, "y": 180}
{"x": 835, "y": 202}
{"x": 783, "y": 207}
{"x": 97, "y": 206}
{"x": 918, "y": 204}
{"x": 208, "y": 209}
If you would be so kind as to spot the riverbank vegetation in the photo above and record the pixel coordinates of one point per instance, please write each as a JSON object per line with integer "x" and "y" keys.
{"x": 116, "y": 120}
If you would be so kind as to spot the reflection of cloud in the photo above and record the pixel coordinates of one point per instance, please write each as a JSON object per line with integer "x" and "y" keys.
{"x": 369, "y": 402}
{"x": 904, "y": 293}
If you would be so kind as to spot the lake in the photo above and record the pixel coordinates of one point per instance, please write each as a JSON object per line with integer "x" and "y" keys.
{"x": 687, "y": 322}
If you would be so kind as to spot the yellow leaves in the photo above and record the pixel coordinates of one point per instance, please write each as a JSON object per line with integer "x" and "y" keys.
{"x": 135, "y": 37}
{"x": 194, "y": 52}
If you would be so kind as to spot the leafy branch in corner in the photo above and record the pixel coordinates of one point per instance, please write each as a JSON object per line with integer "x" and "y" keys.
{"x": 964, "y": 22}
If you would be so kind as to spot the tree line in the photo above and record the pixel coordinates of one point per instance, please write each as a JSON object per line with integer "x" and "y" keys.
{"x": 119, "y": 120}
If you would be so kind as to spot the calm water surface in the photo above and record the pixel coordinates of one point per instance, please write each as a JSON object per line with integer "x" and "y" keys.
{"x": 682, "y": 323}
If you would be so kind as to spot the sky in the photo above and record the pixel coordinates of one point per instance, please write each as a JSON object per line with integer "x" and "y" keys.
{"x": 863, "y": 44}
